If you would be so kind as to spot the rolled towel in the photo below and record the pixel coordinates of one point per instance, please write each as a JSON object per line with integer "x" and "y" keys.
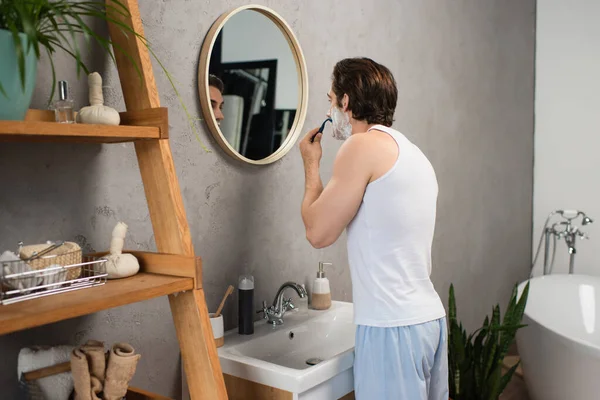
{"x": 95, "y": 388}
{"x": 122, "y": 362}
{"x": 55, "y": 387}
{"x": 96, "y": 358}
{"x": 82, "y": 380}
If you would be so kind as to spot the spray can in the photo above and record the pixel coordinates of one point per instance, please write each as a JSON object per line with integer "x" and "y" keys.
{"x": 246, "y": 305}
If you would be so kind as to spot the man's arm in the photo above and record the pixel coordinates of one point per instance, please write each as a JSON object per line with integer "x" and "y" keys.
{"x": 327, "y": 211}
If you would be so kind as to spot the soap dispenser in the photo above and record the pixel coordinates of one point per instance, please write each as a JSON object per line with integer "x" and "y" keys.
{"x": 321, "y": 293}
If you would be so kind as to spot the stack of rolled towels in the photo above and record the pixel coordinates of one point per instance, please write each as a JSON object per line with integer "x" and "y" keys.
{"x": 95, "y": 374}
{"x": 99, "y": 375}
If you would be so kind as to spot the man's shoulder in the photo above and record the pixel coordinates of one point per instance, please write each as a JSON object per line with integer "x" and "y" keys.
{"x": 366, "y": 149}
{"x": 371, "y": 142}
{"x": 357, "y": 145}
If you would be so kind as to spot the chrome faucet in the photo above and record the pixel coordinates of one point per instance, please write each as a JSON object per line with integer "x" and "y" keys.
{"x": 569, "y": 232}
{"x": 274, "y": 314}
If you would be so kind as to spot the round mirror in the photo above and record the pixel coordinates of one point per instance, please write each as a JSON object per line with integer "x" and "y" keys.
{"x": 253, "y": 85}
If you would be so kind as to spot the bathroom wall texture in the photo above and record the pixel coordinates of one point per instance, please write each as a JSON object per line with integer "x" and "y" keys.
{"x": 465, "y": 72}
{"x": 567, "y": 100}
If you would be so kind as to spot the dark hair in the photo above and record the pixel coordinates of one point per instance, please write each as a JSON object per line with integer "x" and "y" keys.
{"x": 371, "y": 89}
{"x": 213, "y": 80}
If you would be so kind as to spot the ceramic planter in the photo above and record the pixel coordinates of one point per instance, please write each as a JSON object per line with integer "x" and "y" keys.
{"x": 15, "y": 101}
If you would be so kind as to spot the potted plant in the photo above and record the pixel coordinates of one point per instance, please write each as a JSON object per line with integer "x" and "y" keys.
{"x": 30, "y": 27}
{"x": 475, "y": 361}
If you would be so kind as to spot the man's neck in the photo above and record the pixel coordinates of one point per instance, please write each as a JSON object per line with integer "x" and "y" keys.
{"x": 360, "y": 126}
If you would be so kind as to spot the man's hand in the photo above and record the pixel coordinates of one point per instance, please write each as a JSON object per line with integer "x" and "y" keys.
{"x": 311, "y": 152}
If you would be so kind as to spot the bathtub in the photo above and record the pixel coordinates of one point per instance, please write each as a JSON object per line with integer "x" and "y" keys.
{"x": 560, "y": 347}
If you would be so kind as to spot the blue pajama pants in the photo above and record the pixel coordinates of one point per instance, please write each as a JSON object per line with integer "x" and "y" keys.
{"x": 402, "y": 363}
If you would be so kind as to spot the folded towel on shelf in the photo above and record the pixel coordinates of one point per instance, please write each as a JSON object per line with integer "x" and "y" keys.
{"x": 86, "y": 386}
{"x": 96, "y": 358}
{"x": 55, "y": 387}
{"x": 122, "y": 362}
{"x": 96, "y": 388}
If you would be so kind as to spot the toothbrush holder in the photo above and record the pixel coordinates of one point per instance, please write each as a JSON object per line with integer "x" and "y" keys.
{"x": 217, "y": 328}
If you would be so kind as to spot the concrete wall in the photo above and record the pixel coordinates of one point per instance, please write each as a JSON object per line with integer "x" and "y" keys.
{"x": 566, "y": 123}
{"x": 465, "y": 77}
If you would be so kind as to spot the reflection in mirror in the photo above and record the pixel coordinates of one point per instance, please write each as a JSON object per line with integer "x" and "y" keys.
{"x": 253, "y": 84}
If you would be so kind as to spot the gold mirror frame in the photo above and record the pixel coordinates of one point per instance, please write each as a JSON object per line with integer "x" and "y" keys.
{"x": 203, "y": 90}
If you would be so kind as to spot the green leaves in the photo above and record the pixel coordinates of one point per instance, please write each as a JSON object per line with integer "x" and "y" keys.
{"x": 55, "y": 25}
{"x": 475, "y": 361}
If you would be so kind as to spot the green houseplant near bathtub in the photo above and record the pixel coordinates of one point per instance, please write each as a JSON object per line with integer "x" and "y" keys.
{"x": 475, "y": 361}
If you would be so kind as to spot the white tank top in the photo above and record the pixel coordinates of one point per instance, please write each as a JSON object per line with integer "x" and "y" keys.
{"x": 389, "y": 243}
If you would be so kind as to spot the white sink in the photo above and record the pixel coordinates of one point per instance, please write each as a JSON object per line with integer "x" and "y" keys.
{"x": 277, "y": 356}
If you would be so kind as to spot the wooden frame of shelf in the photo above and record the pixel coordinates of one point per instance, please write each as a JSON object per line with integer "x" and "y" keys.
{"x": 177, "y": 271}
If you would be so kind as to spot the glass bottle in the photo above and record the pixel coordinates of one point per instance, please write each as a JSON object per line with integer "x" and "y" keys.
{"x": 63, "y": 107}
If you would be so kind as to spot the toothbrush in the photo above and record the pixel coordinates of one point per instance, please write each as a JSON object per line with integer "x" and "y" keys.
{"x": 312, "y": 139}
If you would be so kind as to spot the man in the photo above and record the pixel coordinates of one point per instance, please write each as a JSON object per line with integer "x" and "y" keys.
{"x": 384, "y": 191}
{"x": 215, "y": 89}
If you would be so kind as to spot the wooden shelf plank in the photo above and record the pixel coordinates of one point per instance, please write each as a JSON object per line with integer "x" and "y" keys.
{"x": 115, "y": 293}
{"x": 39, "y": 126}
{"x": 52, "y": 131}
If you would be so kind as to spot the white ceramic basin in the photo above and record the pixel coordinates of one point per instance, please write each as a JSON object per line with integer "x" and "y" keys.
{"x": 277, "y": 356}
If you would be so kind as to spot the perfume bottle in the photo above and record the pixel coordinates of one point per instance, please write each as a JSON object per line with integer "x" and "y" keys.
{"x": 63, "y": 107}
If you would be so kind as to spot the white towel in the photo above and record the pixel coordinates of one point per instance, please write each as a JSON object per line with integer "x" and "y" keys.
{"x": 55, "y": 387}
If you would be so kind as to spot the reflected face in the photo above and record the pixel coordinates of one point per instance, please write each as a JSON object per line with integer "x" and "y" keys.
{"x": 216, "y": 102}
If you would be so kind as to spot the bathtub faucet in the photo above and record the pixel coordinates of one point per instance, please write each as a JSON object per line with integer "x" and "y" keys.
{"x": 563, "y": 230}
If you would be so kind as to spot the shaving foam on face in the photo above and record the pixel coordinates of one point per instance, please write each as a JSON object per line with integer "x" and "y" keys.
{"x": 342, "y": 129}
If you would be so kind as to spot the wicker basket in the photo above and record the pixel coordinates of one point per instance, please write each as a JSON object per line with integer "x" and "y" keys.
{"x": 67, "y": 254}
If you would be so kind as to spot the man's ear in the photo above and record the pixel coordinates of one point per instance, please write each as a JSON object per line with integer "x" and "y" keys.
{"x": 345, "y": 102}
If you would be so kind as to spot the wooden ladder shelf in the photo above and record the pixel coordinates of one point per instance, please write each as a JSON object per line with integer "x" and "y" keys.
{"x": 174, "y": 271}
